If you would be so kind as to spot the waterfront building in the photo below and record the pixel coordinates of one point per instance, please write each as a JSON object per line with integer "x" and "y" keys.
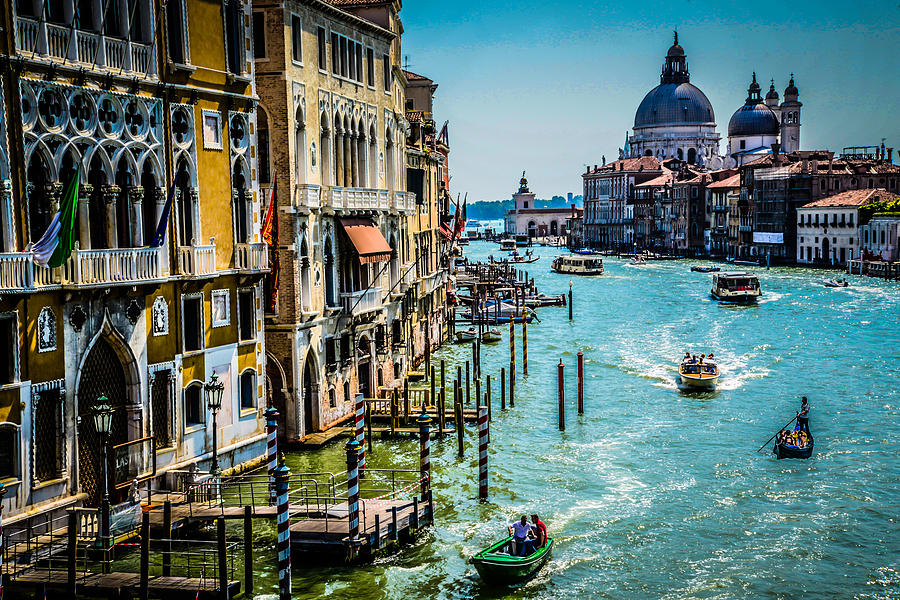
{"x": 773, "y": 187}
{"x": 575, "y": 227}
{"x": 675, "y": 119}
{"x": 333, "y": 143}
{"x": 525, "y": 219}
{"x": 831, "y": 230}
{"x": 145, "y": 103}
{"x": 608, "y": 190}
{"x": 652, "y": 206}
{"x": 880, "y": 237}
{"x": 722, "y": 199}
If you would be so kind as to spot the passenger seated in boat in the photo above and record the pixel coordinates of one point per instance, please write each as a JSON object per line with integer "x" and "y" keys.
{"x": 687, "y": 357}
{"x": 702, "y": 356}
{"x": 710, "y": 358}
{"x": 521, "y": 530}
{"x": 540, "y": 531}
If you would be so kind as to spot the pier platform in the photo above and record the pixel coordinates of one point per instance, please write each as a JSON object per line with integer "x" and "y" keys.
{"x": 53, "y": 582}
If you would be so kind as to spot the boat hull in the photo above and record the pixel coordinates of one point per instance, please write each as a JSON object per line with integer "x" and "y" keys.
{"x": 707, "y": 383}
{"x": 735, "y": 298}
{"x": 496, "y": 568}
{"x": 588, "y": 272}
{"x": 784, "y": 451}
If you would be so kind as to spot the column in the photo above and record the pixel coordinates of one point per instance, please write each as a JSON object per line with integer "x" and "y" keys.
{"x": 195, "y": 210}
{"x": 136, "y": 206}
{"x": 354, "y": 162}
{"x": 338, "y": 157}
{"x": 6, "y": 217}
{"x": 110, "y": 195}
{"x": 348, "y": 182}
{"x": 84, "y": 216}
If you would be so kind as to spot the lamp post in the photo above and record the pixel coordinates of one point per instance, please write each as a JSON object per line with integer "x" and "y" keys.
{"x": 103, "y": 414}
{"x": 214, "y": 391}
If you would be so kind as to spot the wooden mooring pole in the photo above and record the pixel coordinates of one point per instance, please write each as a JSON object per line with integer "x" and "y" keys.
{"x": 271, "y": 450}
{"x": 524, "y": 343}
{"x": 369, "y": 426}
{"x": 145, "y": 556}
{"x": 561, "y": 392}
{"x": 482, "y": 453}
{"x": 502, "y": 388}
{"x": 512, "y": 384}
{"x": 570, "y": 300}
{"x": 487, "y": 396}
{"x": 468, "y": 385}
{"x": 248, "y": 551}
{"x": 282, "y": 481}
{"x": 459, "y": 419}
{"x": 167, "y": 545}
{"x": 424, "y": 422}
{"x": 581, "y": 383}
{"x": 222, "y": 555}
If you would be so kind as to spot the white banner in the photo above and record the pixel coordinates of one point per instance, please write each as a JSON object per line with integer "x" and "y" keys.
{"x": 764, "y": 237}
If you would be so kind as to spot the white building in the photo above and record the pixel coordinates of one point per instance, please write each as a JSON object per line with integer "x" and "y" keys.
{"x": 758, "y": 124}
{"x": 828, "y": 230}
{"x": 525, "y": 219}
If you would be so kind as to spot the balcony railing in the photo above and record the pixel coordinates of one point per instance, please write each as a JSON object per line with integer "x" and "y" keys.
{"x": 197, "y": 261}
{"x": 85, "y": 267}
{"x": 722, "y": 208}
{"x": 340, "y": 198}
{"x": 361, "y": 302}
{"x": 306, "y": 197}
{"x": 251, "y": 257}
{"x": 62, "y": 42}
{"x": 745, "y": 228}
{"x": 404, "y": 201}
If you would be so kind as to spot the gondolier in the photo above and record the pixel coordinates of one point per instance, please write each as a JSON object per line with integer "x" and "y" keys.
{"x": 803, "y": 415}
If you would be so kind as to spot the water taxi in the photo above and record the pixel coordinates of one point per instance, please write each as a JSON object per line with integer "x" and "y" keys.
{"x": 735, "y": 286}
{"x": 507, "y": 245}
{"x": 697, "y": 375}
{"x": 704, "y": 269}
{"x": 577, "y": 265}
{"x": 837, "y": 283}
{"x": 497, "y": 565}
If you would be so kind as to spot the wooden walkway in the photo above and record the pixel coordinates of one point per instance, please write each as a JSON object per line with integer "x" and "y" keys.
{"x": 117, "y": 583}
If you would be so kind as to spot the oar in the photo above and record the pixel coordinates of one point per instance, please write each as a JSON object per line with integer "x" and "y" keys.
{"x": 776, "y": 433}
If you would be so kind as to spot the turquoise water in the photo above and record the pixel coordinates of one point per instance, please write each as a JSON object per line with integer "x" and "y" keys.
{"x": 653, "y": 493}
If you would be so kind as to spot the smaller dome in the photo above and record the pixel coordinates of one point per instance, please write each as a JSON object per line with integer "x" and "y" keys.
{"x": 772, "y": 94}
{"x": 791, "y": 89}
{"x": 753, "y": 119}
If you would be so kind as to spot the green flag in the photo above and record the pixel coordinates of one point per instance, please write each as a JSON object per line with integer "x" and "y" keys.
{"x": 55, "y": 246}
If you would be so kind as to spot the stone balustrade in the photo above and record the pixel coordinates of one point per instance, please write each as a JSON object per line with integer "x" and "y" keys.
{"x": 361, "y": 302}
{"x": 404, "y": 202}
{"x": 18, "y": 273}
{"x": 62, "y": 42}
{"x": 251, "y": 257}
{"x": 306, "y": 197}
{"x": 197, "y": 261}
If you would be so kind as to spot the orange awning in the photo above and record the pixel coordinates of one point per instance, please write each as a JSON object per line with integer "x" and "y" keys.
{"x": 367, "y": 239}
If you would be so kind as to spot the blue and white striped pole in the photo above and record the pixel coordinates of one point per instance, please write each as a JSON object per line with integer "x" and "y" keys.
{"x": 361, "y": 432}
{"x": 271, "y": 449}
{"x": 353, "y": 489}
{"x": 282, "y": 477}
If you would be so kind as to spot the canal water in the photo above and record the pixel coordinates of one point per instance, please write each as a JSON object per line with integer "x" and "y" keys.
{"x": 653, "y": 493}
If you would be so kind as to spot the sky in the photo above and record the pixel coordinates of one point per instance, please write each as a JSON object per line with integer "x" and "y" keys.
{"x": 550, "y": 87}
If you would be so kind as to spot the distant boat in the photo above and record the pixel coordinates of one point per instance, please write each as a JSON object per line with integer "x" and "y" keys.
{"x": 507, "y": 245}
{"x": 577, "y": 265}
{"x": 696, "y": 375}
{"x": 491, "y": 336}
{"x": 702, "y": 269}
{"x": 465, "y": 336}
{"x": 735, "y": 286}
{"x": 837, "y": 283}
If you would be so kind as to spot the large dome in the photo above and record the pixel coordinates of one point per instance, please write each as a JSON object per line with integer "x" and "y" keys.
{"x": 753, "y": 119}
{"x": 674, "y": 104}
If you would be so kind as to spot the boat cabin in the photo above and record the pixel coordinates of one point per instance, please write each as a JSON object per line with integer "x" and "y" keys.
{"x": 736, "y": 286}
{"x": 577, "y": 264}
{"x": 507, "y": 245}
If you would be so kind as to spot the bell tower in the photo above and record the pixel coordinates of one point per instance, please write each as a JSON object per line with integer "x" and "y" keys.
{"x": 790, "y": 118}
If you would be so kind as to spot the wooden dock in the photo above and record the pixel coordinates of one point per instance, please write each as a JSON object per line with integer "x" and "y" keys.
{"x": 51, "y": 583}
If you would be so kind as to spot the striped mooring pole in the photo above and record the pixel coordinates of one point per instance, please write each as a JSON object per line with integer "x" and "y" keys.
{"x": 352, "y": 448}
{"x": 424, "y": 422}
{"x": 482, "y": 453}
{"x": 561, "y": 391}
{"x": 581, "y": 383}
{"x": 282, "y": 477}
{"x": 272, "y": 449}
{"x": 361, "y": 432}
{"x": 524, "y": 343}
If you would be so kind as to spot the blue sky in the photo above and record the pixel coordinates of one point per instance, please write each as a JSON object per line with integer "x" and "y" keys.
{"x": 549, "y": 87}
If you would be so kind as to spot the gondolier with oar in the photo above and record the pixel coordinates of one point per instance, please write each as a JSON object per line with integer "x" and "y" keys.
{"x": 803, "y": 415}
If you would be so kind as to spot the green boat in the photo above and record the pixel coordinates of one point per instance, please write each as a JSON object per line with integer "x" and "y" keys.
{"x": 496, "y": 565}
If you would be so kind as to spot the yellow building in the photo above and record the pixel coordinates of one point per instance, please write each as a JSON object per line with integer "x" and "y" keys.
{"x": 139, "y": 96}
{"x": 332, "y": 106}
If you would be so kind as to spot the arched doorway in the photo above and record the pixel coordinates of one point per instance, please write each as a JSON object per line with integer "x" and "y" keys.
{"x": 102, "y": 374}
{"x": 826, "y": 254}
{"x": 364, "y": 367}
{"x": 310, "y": 394}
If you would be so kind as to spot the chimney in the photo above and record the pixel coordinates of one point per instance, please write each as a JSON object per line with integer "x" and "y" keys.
{"x": 804, "y": 165}
{"x": 830, "y": 161}
{"x": 595, "y": 167}
{"x": 889, "y": 156}
{"x": 574, "y": 213}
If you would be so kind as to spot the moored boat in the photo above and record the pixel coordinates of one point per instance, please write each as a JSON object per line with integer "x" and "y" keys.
{"x": 491, "y": 336}
{"x": 507, "y": 245}
{"x": 697, "y": 375}
{"x": 545, "y": 300}
{"x": 791, "y": 445}
{"x": 577, "y": 265}
{"x": 735, "y": 286}
{"x": 467, "y": 335}
{"x": 496, "y": 565}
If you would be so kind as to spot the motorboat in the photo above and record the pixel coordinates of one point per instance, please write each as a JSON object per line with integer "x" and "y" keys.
{"x": 575, "y": 264}
{"x": 704, "y": 269}
{"x": 466, "y": 335}
{"x": 637, "y": 259}
{"x": 542, "y": 299}
{"x": 497, "y": 564}
{"x": 585, "y": 251}
{"x": 507, "y": 245}
{"x": 491, "y": 336}
{"x": 699, "y": 375}
{"x": 735, "y": 286}
{"x": 837, "y": 283}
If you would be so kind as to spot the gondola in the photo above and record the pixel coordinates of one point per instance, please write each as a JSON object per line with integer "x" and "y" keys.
{"x": 497, "y": 566}
{"x": 791, "y": 451}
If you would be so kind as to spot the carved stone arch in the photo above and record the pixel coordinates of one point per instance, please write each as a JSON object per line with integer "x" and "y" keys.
{"x": 240, "y": 164}
{"x": 124, "y": 154}
{"x": 191, "y": 168}
{"x": 324, "y": 123}
{"x": 105, "y": 163}
{"x": 41, "y": 148}
{"x": 310, "y": 392}
{"x": 155, "y": 166}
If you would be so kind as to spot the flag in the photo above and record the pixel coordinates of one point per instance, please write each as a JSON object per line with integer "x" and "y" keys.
{"x": 55, "y": 246}
{"x": 163, "y": 224}
{"x": 270, "y": 237}
{"x": 461, "y": 222}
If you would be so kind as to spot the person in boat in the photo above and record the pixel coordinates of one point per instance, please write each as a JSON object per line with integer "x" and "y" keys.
{"x": 687, "y": 357}
{"x": 702, "y": 358}
{"x": 521, "y": 530}
{"x": 540, "y": 531}
{"x": 710, "y": 358}
{"x": 803, "y": 415}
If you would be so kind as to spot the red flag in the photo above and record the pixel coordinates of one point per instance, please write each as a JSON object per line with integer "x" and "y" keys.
{"x": 270, "y": 237}
{"x": 461, "y": 221}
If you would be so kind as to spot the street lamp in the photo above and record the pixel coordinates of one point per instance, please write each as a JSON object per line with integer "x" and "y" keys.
{"x": 103, "y": 414}
{"x": 214, "y": 390}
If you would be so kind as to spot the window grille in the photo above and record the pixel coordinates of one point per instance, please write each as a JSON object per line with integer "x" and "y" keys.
{"x": 48, "y": 424}
{"x": 161, "y": 412}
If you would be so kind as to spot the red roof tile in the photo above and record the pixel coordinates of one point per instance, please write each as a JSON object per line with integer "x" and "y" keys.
{"x": 853, "y": 198}
{"x": 731, "y": 182}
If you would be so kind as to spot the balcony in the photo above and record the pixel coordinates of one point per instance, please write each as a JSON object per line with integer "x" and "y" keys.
{"x": 745, "y": 228}
{"x": 18, "y": 273}
{"x": 197, "y": 261}
{"x": 62, "y": 42}
{"x": 251, "y": 257}
{"x": 720, "y": 208}
{"x": 306, "y": 197}
{"x": 340, "y": 198}
{"x": 361, "y": 302}
{"x": 404, "y": 202}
